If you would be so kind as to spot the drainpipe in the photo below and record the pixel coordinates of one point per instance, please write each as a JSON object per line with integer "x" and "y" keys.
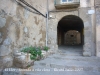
{"x": 47, "y": 24}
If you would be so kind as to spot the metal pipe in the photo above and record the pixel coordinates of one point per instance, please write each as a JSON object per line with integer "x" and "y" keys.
{"x": 95, "y": 29}
{"x": 27, "y": 8}
{"x": 47, "y": 24}
{"x": 31, "y": 7}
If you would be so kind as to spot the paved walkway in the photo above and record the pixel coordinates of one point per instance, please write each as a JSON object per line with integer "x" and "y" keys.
{"x": 67, "y": 61}
{"x": 71, "y": 50}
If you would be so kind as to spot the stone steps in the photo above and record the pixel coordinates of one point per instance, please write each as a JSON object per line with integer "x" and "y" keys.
{"x": 70, "y": 65}
{"x": 58, "y": 64}
{"x": 74, "y": 65}
{"x": 53, "y": 66}
{"x": 77, "y": 58}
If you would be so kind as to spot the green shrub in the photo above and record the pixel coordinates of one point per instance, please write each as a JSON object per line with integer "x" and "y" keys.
{"x": 35, "y": 52}
{"x": 46, "y": 48}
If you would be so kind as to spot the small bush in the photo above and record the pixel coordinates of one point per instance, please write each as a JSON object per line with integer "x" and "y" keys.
{"x": 46, "y": 48}
{"x": 34, "y": 51}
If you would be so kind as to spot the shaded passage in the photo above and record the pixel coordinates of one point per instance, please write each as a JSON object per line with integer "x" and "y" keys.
{"x": 70, "y": 28}
{"x": 70, "y": 33}
{"x": 71, "y": 50}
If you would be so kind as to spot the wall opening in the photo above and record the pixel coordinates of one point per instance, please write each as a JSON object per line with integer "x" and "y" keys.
{"x": 70, "y": 31}
{"x": 72, "y": 37}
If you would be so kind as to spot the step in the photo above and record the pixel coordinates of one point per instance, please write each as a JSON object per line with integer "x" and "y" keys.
{"x": 62, "y": 73}
{"x": 67, "y": 66}
{"x": 70, "y": 52}
{"x": 77, "y": 58}
{"x": 73, "y": 62}
{"x": 58, "y": 64}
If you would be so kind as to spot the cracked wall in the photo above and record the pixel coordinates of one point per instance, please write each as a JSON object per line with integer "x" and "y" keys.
{"x": 20, "y": 28}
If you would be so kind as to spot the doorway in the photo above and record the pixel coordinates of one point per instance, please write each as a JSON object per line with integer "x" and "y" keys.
{"x": 70, "y": 34}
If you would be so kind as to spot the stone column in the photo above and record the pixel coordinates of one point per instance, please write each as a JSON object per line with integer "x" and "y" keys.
{"x": 52, "y": 34}
{"x": 97, "y": 3}
{"x": 98, "y": 31}
{"x": 85, "y": 7}
{"x": 87, "y": 47}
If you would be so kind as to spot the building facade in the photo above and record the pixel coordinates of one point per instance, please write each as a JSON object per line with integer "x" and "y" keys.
{"x": 22, "y": 26}
{"x": 84, "y": 17}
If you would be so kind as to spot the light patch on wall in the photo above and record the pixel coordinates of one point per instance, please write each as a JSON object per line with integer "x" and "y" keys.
{"x": 7, "y": 41}
{"x": 26, "y": 14}
{"x": 86, "y": 24}
{"x": 91, "y": 11}
{"x": 25, "y": 29}
{"x": 52, "y": 16}
{"x": 2, "y": 22}
{"x": 4, "y": 50}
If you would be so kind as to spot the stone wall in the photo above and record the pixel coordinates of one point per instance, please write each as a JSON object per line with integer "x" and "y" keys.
{"x": 97, "y": 4}
{"x": 20, "y": 28}
{"x": 72, "y": 37}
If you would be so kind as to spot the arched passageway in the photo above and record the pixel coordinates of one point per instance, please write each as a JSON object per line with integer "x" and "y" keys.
{"x": 70, "y": 31}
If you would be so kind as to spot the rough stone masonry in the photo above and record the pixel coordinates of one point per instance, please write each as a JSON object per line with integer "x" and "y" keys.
{"x": 21, "y": 28}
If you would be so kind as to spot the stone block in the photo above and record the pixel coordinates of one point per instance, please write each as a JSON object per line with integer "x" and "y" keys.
{"x": 26, "y": 14}
{"x": 98, "y": 16}
{"x": 87, "y": 54}
{"x": 98, "y": 54}
{"x": 7, "y": 41}
{"x": 44, "y": 53}
{"x": 4, "y": 50}
{"x": 22, "y": 60}
{"x": 6, "y": 61}
{"x": 97, "y": 2}
{"x": 2, "y": 13}
{"x": 2, "y": 22}
{"x": 47, "y": 53}
{"x": 12, "y": 7}
{"x": 85, "y": 3}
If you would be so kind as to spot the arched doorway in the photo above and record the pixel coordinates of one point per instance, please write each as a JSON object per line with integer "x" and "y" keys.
{"x": 70, "y": 31}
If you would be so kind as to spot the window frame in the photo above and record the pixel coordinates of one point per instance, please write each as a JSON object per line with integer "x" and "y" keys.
{"x": 66, "y": 1}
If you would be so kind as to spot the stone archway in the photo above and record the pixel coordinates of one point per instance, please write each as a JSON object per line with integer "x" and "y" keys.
{"x": 70, "y": 35}
{"x": 74, "y": 25}
{"x": 52, "y": 30}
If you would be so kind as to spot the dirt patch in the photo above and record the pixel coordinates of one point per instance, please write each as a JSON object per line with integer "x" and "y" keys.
{"x": 36, "y": 20}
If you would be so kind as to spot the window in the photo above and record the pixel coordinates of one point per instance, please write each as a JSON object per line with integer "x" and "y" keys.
{"x": 66, "y": 1}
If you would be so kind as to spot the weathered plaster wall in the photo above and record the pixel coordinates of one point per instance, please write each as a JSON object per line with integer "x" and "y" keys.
{"x": 20, "y": 28}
